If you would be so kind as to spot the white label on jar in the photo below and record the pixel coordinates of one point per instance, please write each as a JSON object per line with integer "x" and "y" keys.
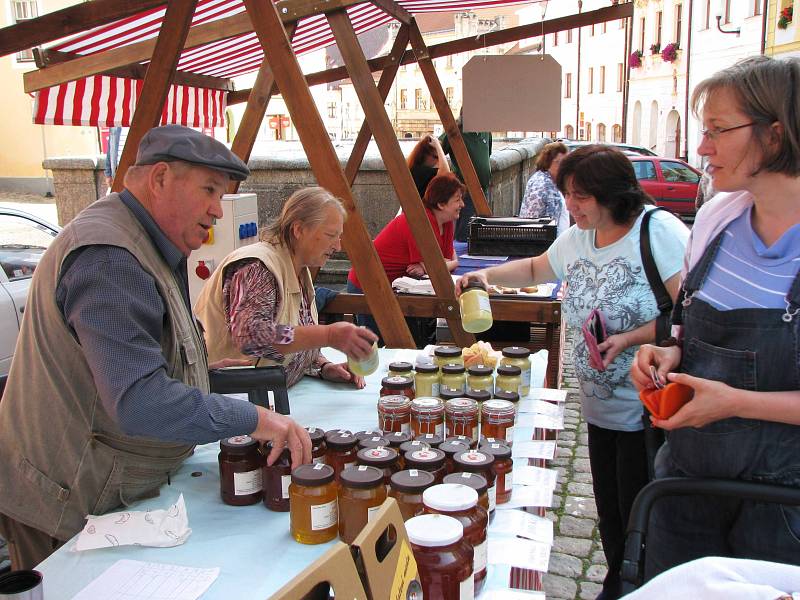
{"x": 285, "y": 481}
{"x": 318, "y": 460}
{"x": 509, "y": 481}
{"x": 348, "y": 465}
{"x": 492, "y": 497}
{"x": 439, "y": 428}
{"x": 525, "y": 378}
{"x": 480, "y": 556}
{"x": 405, "y": 427}
{"x": 324, "y": 516}
{"x": 372, "y": 511}
{"x": 434, "y": 389}
{"x": 247, "y": 483}
{"x": 466, "y": 589}
{"x": 475, "y": 433}
{"x": 484, "y": 304}
{"x": 510, "y": 434}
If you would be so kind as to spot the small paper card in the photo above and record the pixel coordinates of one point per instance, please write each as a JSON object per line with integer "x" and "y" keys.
{"x": 549, "y": 394}
{"x": 535, "y": 449}
{"x": 519, "y": 523}
{"x": 540, "y": 407}
{"x": 529, "y": 475}
{"x": 528, "y": 495}
{"x": 540, "y": 421}
{"x": 525, "y": 554}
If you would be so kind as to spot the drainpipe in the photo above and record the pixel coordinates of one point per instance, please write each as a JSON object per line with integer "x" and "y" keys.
{"x": 764, "y": 11}
{"x": 578, "y": 82}
{"x": 686, "y": 95}
{"x": 626, "y": 86}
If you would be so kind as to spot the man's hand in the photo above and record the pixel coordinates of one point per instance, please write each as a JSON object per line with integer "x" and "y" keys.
{"x": 339, "y": 372}
{"x": 283, "y": 432}
{"x": 354, "y": 341}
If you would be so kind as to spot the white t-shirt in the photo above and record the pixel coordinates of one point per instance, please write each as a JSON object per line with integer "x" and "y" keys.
{"x": 613, "y": 280}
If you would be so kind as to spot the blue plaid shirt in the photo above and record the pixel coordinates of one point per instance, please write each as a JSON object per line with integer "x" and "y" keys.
{"x": 114, "y": 308}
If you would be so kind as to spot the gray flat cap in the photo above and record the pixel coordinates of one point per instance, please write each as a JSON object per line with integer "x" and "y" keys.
{"x": 175, "y": 142}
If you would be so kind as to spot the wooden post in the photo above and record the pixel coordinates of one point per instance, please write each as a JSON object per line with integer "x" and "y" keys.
{"x": 395, "y": 163}
{"x": 325, "y": 164}
{"x": 157, "y": 80}
{"x": 448, "y": 122}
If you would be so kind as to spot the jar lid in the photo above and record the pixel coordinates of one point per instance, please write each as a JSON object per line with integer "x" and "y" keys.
{"x": 239, "y": 444}
{"x": 478, "y": 395}
{"x": 396, "y": 438}
{"x": 446, "y": 393}
{"x": 362, "y": 477}
{"x": 516, "y": 352}
{"x": 397, "y": 382}
{"x": 450, "y": 448}
{"x": 496, "y": 449}
{"x": 332, "y": 432}
{"x": 465, "y": 439}
{"x": 341, "y": 441}
{"x": 394, "y": 402}
{"x": 430, "y": 368}
{"x": 432, "y": 531}
{"x": 429, "y": 457}
{"x": 410, "y": 446}
{"x": 461, "y": 405}
{"x": 474, "y": 284}
{"x": 316, "y": 434}
{"x": 474, "y": 480}
{"x": 447, "y": 351}
{"x": 431, "y": 439}
{"x": 284, "y": 458}
{"x": 453, "y": 368}
{"x": 367, "y": 433}
{"x": 373, "y": 442}
{"x": 506, "y": 395}
{"x": 509, "y": 370}
{"x": 377, "y": 457}
{"x": 427, "y": 404}
{"x": 412, "y": 481}
{"x": 312, "y": 475}
{"x": 450, "y": 497}
{"x": 473, "y": 460}
{"x": 401, "y": 367}
{"x": 498, "y": 407}
{"x": 480, "y": 370}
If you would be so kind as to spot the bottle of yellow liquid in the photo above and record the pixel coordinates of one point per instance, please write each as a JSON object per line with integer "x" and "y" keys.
{"x": 476, "y": 312}
{"x": 367, "y": 366}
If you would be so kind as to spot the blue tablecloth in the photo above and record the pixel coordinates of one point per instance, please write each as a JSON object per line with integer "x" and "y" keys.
{"x": 250, "y": 544}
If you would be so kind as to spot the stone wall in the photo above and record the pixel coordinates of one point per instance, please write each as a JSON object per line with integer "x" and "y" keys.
{"x": 80, "y": 181}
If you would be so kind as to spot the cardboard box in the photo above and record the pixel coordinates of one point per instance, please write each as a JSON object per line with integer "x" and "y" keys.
{"x": 335, "y": 568}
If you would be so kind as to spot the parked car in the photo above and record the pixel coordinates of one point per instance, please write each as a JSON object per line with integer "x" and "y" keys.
{"x": 626, "y": 148}
{"x": 23, "y": 240}
{"x": 671, "y": 182}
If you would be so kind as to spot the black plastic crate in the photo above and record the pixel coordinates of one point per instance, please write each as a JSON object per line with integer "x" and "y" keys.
{"x": 510, "y": 236}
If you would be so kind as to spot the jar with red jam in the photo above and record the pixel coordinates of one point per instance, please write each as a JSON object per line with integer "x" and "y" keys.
{"x": 276, "y": 480}
{"x": 361, "y": 493}
{"x": 427, "y": 416}
{"x": 372, "y": 442}
{"x": 453, "y": 377}
{"x": 398, "y": 386}
{"x": 446, "y": 393}
{"x": 444, "y": 558}
{"x": 474, "y": 480}
{"x": 431, "y": 439}
{"x": 342, "y": 449}
{"x": 317, "y": 444}
{"x": 384, "y": 458}
{"x": 394, "y": 414}
{"x": 426, "y": 459}
{"x": 406, "y": 488}
{"x": 461, "y": 503}
{"x": 497, "y": 420}
{"x": 461, "y": 418}
{"x": 480, "y": 396}
{"x": 475, "y": 461}
{"x": 240, "y": 463}
{"x": 503, "y": 469}
{"x": 450, "y": 449}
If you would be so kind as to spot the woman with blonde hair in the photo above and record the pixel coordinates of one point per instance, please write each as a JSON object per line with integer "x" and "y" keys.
{"x": 259, "y": 302}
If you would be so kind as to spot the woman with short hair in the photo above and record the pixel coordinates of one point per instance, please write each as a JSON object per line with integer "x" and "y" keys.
{"x": 542, "y": 197}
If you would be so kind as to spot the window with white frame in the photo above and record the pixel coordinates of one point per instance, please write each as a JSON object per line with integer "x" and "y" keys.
{"x": 23, "y": 10}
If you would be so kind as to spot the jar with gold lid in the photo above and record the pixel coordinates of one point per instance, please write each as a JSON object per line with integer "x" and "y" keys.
{"x": 426, "y": 380}
{"x": 444, "y": 558}
{"x": 240, "y": 463}
{"x": 394, "y": 414}
{"x": 406, "y": 488}
{"x": 383, "y": 458}
{"x": 479, "y": 377}
{"x": 313, "y": 506}
{"x": 453, "y": 377}
{"x": 519, "y": 357}
{"x": 427, "y": 416}
{"x": 497, "y": 420}
{"x": 461, "y": 418}
{"x": 398, "y": 385}
{"x": 361, "y": 493}
{"x": 448, "y": 355}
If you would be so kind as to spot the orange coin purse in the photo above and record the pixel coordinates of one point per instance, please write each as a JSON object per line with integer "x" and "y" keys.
{"x": 665, "y": 402}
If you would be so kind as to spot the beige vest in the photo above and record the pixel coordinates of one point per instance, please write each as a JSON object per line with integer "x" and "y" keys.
{"x": 210, "y": 309}
{"x": 63, "y": 456}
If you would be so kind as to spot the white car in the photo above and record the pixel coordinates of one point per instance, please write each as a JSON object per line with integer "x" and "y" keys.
{"x": 23, "y": 240}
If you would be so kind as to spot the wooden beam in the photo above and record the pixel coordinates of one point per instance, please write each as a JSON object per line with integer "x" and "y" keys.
{"x": 325, "y": 165}
{"x": 67, "y": 21}
{"x": 451, "y": 128}
{"x": 150, "y": 105}
{"x": 391, "y": 8}
{"x": 403, "y": 182}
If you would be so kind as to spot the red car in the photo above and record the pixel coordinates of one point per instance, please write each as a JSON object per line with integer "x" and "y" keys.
{"x": 671, "y": 182}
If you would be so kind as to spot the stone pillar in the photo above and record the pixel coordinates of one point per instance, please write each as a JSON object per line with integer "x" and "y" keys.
{"x": 78, "y": 182}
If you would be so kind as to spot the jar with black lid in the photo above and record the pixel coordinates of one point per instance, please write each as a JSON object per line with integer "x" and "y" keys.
{"x": 450, "y": 448}
{"x": 383, "y": 458}
{"x": 448, "y": 354}
{"x": 509, "y": 378}
{"x": 406, "y": 488}
{"x": 240, "y": 463}
{"x": 402, "y": 369}
{"x": 396, "y": 386}
{"x": 367, "y": 433}
{"x": 480, "y": 396}
{"x": 426, "y": 380}
{"x": 503, "y": 467}
{"x": 446, "y": 393}
{"x": 331, "y": 432}
{"x": 479, "y": 377}
{"x": 313, "y": 506}
{"x": 409, "y": 446}
{"x": 508, "y": 396}
{"x": 373, "y": 442}
{"x": 426, "y": 459}
{"x": 519, "y": 357}
{"x": 361, "y": 493}
{"x": 317, "y": 444}
{"x": 276, "y": 480}
{"x": 396, "y": 438}
{"x": 475, "y": 461}
{"x": 341, "y": 453}
{"x": 432, "y": 439}
{"x": 474, "y": 480}
{"x": 453, "y": 377}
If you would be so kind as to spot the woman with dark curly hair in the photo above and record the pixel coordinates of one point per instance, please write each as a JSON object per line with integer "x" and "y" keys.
{"x": 600, "y": 261}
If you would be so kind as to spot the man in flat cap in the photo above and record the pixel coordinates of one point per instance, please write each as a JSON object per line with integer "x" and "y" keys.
{"x": 108, "y": 391}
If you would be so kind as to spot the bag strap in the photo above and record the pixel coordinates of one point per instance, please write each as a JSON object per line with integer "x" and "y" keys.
{"x": 663, "y": 298}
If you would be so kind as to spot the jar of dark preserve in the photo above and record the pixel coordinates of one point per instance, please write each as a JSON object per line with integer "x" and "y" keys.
{"x": 317, "y": 444}
{"x": 450, "y": 449}
{"x": 341, "y": 453}
{"x": 276, "y": 480}
{"x": 373, "y": 442}
{"x": 476, "y": 461}
{"x": 383, "y": 458}
{"x": 444, "y": 558}
{"x": 240, "y": 463}
{"x": 406, "y": 488}
{"x": 474, "y": 480}
{"x": 361, "y": 493}
{"x": 427, "y": 459}
{"x": 398, "y": 386}
{"x": 409, "y": 446}
{"x": 431, "y": 439}
{"x": 503, "y": 469}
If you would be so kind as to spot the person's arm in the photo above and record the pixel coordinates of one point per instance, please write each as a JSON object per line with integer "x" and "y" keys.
{"x": 442, "y": 166}
{"x": 517, "y": 273}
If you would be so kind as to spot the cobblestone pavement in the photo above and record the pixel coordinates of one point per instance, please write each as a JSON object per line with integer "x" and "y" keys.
{"x": 577, "y": 563}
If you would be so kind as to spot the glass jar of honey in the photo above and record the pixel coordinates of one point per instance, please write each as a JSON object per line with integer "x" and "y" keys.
{"x": 503, "y": 469}
{"x": 313, "y": 506}
{"x": 367, "y": 366}
{"x": 426, "y": 459}
{"x": 444, "y": 355}
{"x": 317, "y": 444}
{"x": 361, "y": 493}
{"x": 432, "y": 440}
{"x": 426, "y": 380}
{"x": 480, "y": 396}
{"x": 474, "y": 480}
{"x": 446, "y": 393}
{"x": 453, "y": 377}
{"x": 397, "y": 385}
{"x": 508, "y": 396}
{"x": 397, "y": 438}
{"x": 444, "y": 558}
{"x": 383, "y": 458}
{"x": 449, "y": 449}
{"x": 475, "y": 461}
{"x": 341, "y": 452}
{"x": 508, "y": 378}
{"x": 476, "y": 310}
{"x": 497, "y": 420}
{"x": 367, "y": 433}
{"x": 461, "y": 503}
{"x": 459, "y": 438}
{"x": 240, "y": 463}
{"x": 461, "y": 418}
{"x": 401, "y": 369}
{"x": 394, "y": 414}
{"x": 479, "y": 377}
{"x": 427, "y": 416}
{"x": 373, "y": 442}
{"x": 406, "y": 488}
{"x": 519, "y": 357}
{"x": 409, "y": 446}
{"x": 276, "y": 480}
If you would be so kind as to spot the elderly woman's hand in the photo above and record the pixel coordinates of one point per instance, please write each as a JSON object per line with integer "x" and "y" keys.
{"x": 340, "y": 372}
{"x": 355, "y": 342}
{"x": 462, "y": 281}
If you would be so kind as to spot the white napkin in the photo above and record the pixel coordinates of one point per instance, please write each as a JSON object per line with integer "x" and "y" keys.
{"x": 159, "y": 528}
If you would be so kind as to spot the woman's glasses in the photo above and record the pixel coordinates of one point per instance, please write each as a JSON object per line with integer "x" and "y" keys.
{"x": 713, "y": 134}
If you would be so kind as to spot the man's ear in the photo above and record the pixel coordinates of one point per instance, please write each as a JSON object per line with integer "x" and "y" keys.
{"x": 157, "y": 178}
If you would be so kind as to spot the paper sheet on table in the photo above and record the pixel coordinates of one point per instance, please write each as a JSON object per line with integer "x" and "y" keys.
{"x": 540, "y": 421}
{"x": 528, "y": 495}
{"x": 529, "y": 475}
{"x": 476, "y": 257}
{"x": 535, "y": 449}
{"x": 409, "y": 285}
{"x": 548, "y": 394}
{"x": 519, "y": 523}
{"x": 525, "y": 554}
{"x": 159, "y": 528}
{"x": 137, "y": 580}
{"x": 540, "y": 407}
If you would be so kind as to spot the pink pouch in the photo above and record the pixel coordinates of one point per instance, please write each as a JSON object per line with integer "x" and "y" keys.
{"x": 594, "y": 332}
